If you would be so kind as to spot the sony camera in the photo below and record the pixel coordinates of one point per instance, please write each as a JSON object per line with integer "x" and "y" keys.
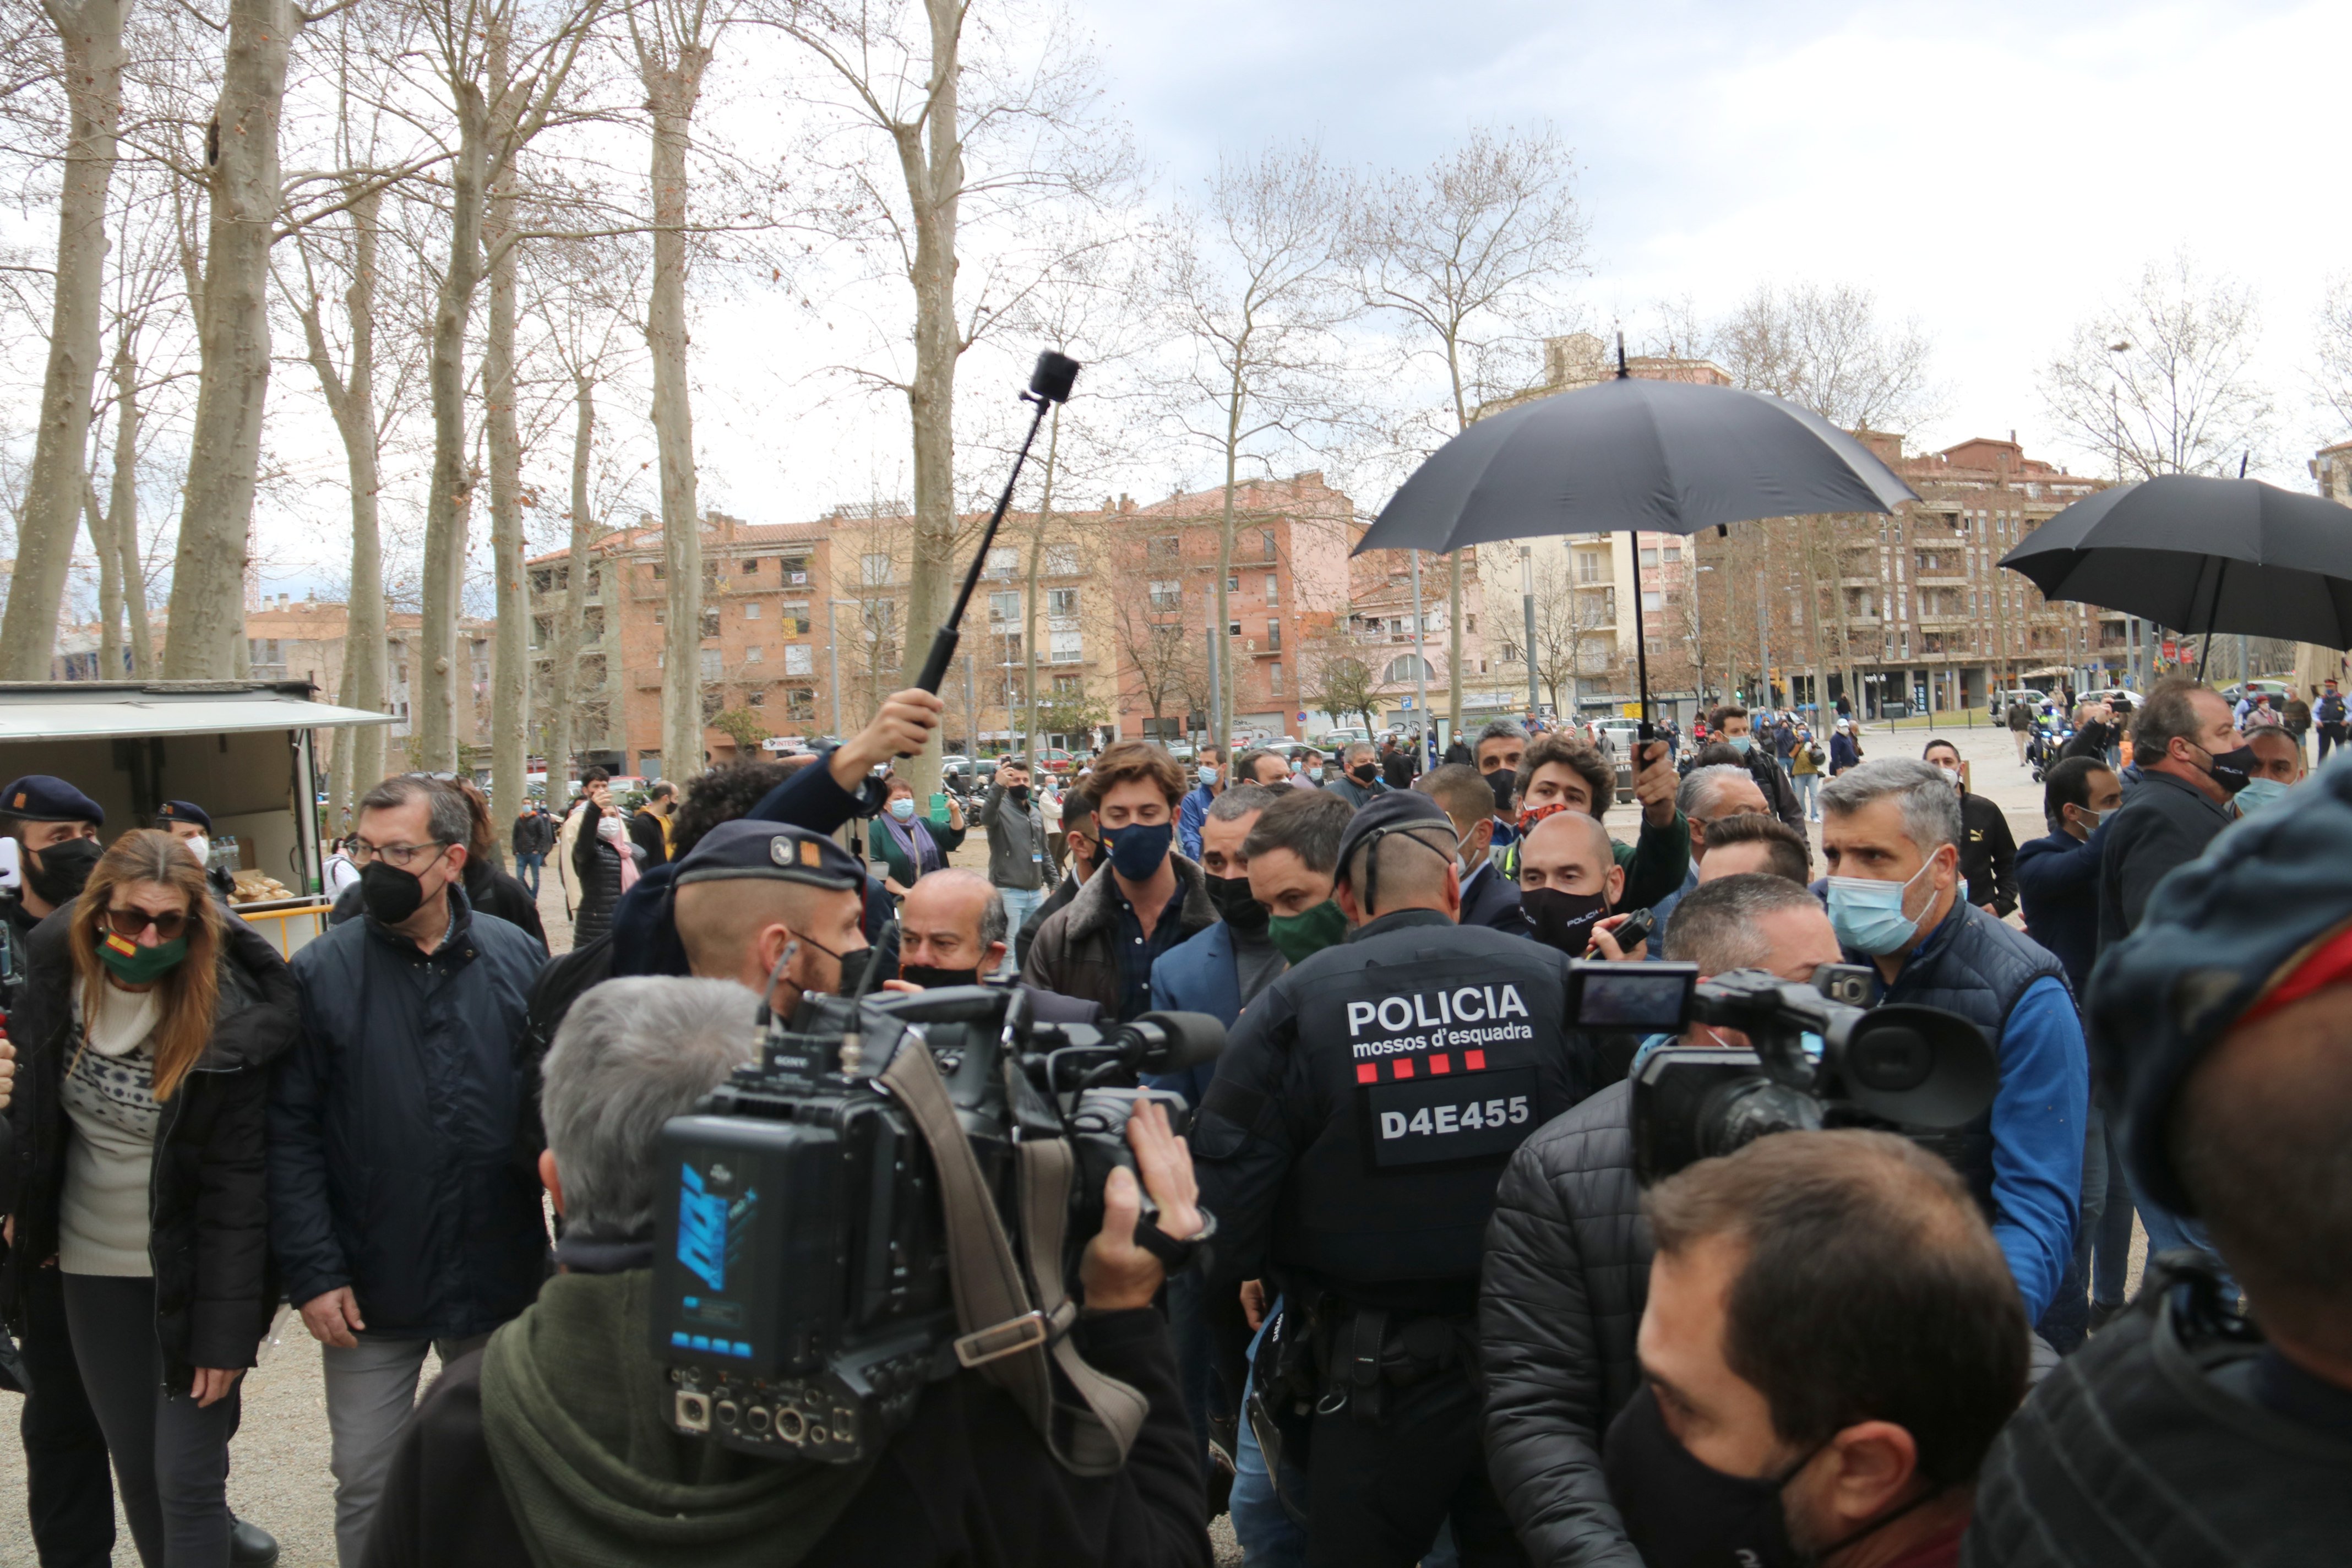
{"x": 1816, "y": 1058}
{"x": 802, "y": 1289}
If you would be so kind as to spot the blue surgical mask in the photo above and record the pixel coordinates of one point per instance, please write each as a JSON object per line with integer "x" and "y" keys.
{"x": 1867, "y": 914}
{"x": 2258, "y": 793}
{"x": 1209, "y": 773}
{"x": 903, "y": 808}
{"x": 1741, "y": 743}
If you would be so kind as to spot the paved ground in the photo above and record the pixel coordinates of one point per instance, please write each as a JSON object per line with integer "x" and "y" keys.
{"x": 280, "y": 1474}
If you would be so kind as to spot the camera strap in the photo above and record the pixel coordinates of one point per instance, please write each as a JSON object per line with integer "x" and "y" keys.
{"x": 1006, "y": 1337}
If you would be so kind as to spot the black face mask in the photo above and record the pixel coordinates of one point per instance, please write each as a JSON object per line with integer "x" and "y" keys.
{"x": 390, "y": 894}
{"x": 1234, "y": 905}
{"x": 1364, "y": 775}
{"x": 59, "y": 873}
{"x": 924, "y": 975}
{"x": 862, "y": 969}
{"x": 1020, "y": 794}
{"x": 1680, "y": 1513}
{"x": 2231, "y": 770}
{"x": 1563, "y": 920}
{"x": 1500, "y": 780}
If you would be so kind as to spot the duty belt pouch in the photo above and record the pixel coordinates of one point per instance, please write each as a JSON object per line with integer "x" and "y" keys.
{"x": 1281, "y": 1405}
{"x": 1009, "y": 1339}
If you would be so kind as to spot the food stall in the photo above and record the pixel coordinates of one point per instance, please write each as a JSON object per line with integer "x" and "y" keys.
{"x": 246, "y": 750}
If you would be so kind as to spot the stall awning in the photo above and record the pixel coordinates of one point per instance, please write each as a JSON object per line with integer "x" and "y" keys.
{"x": 50, "y": 713}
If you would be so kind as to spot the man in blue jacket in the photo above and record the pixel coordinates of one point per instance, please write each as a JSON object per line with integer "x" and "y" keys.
{"x": 1193, "y": 809}
{"x": 404, "y": 1211}
{"x": 1891, "y": 835}
{"x": 1219, "y": 968}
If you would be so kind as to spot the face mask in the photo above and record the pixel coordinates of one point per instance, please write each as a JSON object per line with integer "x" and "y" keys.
{"x": 136, "y": 965}
{"x": 2256, "y": 793}
{"x": 854, "y": 966}
{"x": 1020, "y": 794}
{"x": 1535, "y": 814}
{"x": 59, "y": 872}
{"x": 2232, "y": 769}
{"x": 1234, "y": 905}
{"x": 1302, "y": 936}
{"x": 903, "y": 809}
{"x": 1137, "y": 849}
{"x": 1951, "y": 775}
{"x": 2090, "y": 819}
{"x": 1867, "y": 915}
{"x": 390, "y": 894}
{"x": 1741, "y": 743}
{"x": 1500, "y": 782}
{"x": 201, "y": 848}
{"x": 924, "y": 975}
{"x": 1364, "y": 775}
{"x": 1563, "y": 920}
{"x": 1208, "y": 774}
{"x": 1678, "y": 1509}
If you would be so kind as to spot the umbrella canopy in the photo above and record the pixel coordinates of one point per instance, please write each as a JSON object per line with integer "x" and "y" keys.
{"x": 1666, "y": 456}
{"x": 2202, "y": 555}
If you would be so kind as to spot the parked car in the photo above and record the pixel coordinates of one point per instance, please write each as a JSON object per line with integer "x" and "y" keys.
{"x": 1339, "y": 740}
{"x": 1053, "y": 760}
{"x": 1997, "y": 703}
{"x": 2280, "y": 691}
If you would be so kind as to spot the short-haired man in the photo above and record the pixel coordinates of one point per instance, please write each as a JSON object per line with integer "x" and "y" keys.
{"x": 1561, "y": 771}
{"x": 1569, "y": 882}
{"x": 1890, "y": 834}
{"x": 2193, "y": 762}
{"x": 1730, "y": 724}
{"x": 1567, "y": 1256}
{"x": 2185, "y": 1433}
{"x": 1399, "y": 765}
{"x": 1198, "y": 799}
{"x": 1708, "y": 793}
{"x": 1102, "y": 945}
{"x": 400, "y": 1214}
{"x": 1307, "y": 768}
{"x": 2278, "y": 767}
{"x": 752, "y": 892}
{"x": 1752, "y": 842}
{"x": 543, "y": 1448}
{"x": 1222, "y": 968}
{"x": 951, "y": 932}
{"x": 1500, "y": 746}
{"x": 1293, "y": 855}
{"x": 1988, "y": 848}
{"x": 1829, "y": 1340}
{"x": 1015, "y": 822}
{"x": 1488, "y": 897}
{"x": 2328, "y": 715}
{"x": 649, "y": 825}
{"x": 1261, "y": 764}
{"x": 1082, "y": 844}
{"x": 1349, "y": 1145}
{"x": 1360, "y": 781}
{"x": 56, "y": 829}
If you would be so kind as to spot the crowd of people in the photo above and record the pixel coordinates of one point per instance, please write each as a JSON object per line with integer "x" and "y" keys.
{"x": 1437, "y": 1316}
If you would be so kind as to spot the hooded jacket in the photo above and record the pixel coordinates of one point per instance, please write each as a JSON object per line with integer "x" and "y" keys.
{"x": 395, "y": 1166}
{"x": 1076, "y": 954}
{"x": 208, "y": 1201}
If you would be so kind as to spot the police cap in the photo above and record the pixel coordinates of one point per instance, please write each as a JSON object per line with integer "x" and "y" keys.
{"x": 39, "y": 797}
{"x": 183, "y": 811}
{"x": 1385, "y": 813}
{"x": 2259, "y": 917}
{"x": 771, "y": 850}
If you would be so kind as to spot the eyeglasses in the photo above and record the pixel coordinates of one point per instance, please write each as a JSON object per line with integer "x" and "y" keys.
{"x": 402, "y": 856}
{"x": 130, "y": 923}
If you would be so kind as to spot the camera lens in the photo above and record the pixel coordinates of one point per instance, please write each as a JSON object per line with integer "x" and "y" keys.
{"x": 1890, "y": 1060}
{"x": 1736, "y": 1114}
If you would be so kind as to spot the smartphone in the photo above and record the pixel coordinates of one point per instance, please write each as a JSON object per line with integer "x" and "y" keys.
{"x": 939, "y": 808}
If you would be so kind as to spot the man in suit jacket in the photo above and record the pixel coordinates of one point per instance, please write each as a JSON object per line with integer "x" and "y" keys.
{"x": 1489, "y": 897}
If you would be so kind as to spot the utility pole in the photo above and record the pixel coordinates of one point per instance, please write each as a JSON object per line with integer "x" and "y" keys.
{"x": 971, "y": 710}
{"x": 1528, "y": 602}
{"x": 1216, "y": 679}
{"x": 832, "y": 658}
{"x": 1419, "y": 664}
{"x": 1763, "y": 650}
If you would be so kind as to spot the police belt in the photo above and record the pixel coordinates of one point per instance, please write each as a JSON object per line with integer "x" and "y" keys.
{"x": 1360, "y": 1352}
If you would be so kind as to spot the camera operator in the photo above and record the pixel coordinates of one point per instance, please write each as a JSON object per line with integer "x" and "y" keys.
{"x": 1349, "y": 1146}
{"x": 1891, "y": 835}
{"x": 951, "y": 933}
{"x": 1568, "y": 1253}
{"x": 549, "y": 1444}
{"x": 750, "y": 890}
{"x": 1829, "y": 1345}
{"x": 2223, "y": 1032}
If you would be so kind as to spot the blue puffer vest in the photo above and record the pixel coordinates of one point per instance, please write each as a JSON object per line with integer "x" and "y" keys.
{"x": 1975, "y": 966}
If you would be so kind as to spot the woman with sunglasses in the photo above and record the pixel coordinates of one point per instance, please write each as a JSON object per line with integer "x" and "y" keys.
{"x": 146, "y": 1029}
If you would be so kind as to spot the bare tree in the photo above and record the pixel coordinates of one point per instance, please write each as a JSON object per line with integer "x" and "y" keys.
{"x": 1823, "y": 347}
{"x": 1254, "y": 293}
{"x": 1569, "y": 618}
{"x": 1336, "y": 675}
{"x": 2164, "y": 382}
{"x": 2332, "y": 380}
{"x": 89, "y": 65}
{"x": 1474, "y": 255}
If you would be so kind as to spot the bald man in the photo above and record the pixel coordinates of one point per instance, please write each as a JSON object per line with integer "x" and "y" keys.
{"x": 951, "y": 931}
{"x": 1569, "y": 881}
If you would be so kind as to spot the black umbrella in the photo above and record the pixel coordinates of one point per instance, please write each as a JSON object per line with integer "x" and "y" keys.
{"x": 2204, "y": 555}
{"x": 1660, "y": 456}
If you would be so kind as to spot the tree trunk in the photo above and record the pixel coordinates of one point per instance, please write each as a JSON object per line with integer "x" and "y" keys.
{"x": 1811, "y": 531}
{"x": 673, "y": 89}
{"x": 450, "y": 497}
{"x": 1453, "y": 651}
{"x": 563, "y": 670}
{"x": 511, "y": 669}
{"x": 1029, "y": 616}
{"x": 122, "y": 510}
{"x": 90, "y": 36}
{"x": 109, "y": 584}
{"x": 931, "y": 155}
{"x": 207, "y": 607}
{"x": 1221, "y": 633}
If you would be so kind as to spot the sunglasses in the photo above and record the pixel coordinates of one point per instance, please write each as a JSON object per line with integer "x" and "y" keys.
{"x": 130, "y": 923}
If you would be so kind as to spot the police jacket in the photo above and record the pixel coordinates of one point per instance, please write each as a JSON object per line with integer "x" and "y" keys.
{"x": 395, "y": 1164}
{"x": 1568, "y": 1272}
{"x": 2163, "y": 1444}
{"x": 1369, "y": 1098}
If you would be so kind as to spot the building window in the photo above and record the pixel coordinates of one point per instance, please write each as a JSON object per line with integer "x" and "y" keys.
{"x": 799, "y": 658}
{"x": 751, "y": 611}
{"x": 660, "y": 571}
{"x": 874, "y": 568}
{"x": 1674, "y": 553}
{"x": 711, "y": 668}
{"x": 1068, "y": 647}
{"x": 1649, "y": 557}
{"x": 1590, "y": 565}
{"x": 751, "y": 566}
{"x": 795, "y": 614}
{"x": 1005, "y": 606}
{"x": 1063, "y": 561}
{"x": 1406, "y": 666}
{"x": 1653, "y": 601}
{"x": 1265, "y": 542}
{"x": 1167, "y": 594}
{"x": 1061, "y": 602}
{"x": 710, "y": 622}
{"x": 800, "y": 703}
{"x": 1273, "y": 677}
{"x": 1003, "y": 561}
{"x": 752, "y": 655}
{"x": 1070, "y": 684}
{"x": 755, "y": 697}
{"x": 1273, "y": 589}
{"x": 1233, "y": 582}
{"x": 1470, "y": 625}
{"x": 1165, "y": 547}
{"x": 796, "y": 568}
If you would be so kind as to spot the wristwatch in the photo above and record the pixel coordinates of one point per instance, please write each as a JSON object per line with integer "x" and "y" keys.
{"x": 1175, "y": 1256}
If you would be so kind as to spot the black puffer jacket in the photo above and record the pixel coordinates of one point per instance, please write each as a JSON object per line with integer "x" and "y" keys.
{"x": 1566, "y": 1272}
{"x": 597, "y": 871}
{"x": 209, "y": 1210}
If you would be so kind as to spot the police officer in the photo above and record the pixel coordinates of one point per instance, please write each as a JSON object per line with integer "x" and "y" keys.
{"x": 192, "y": 824}
{"x": 1349, "y": 1146}
{"x": 56, "y": 829}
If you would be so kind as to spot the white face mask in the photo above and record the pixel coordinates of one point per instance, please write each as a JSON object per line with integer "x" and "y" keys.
{"x": 1952, "y": 774}
{"x": 201, "y": 848}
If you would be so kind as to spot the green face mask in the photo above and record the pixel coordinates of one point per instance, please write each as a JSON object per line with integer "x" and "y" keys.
{"x": 1301, "y": 937}
{"x": 136, "y": 965}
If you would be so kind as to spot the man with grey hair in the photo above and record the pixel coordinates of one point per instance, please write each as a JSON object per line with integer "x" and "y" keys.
{"x": 546, "y": 1447}
{"x": 401, "y": 1217}
{"x": 1567, "y": 1258}
{"x": 1891, "y": 836}
{"x": 1359, "y": 778}
{"x": 951, "y": 932}
{"x": 1502, "y": 744}
{"x": 1706, "y": 795}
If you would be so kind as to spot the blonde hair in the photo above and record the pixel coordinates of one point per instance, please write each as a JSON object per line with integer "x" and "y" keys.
{"x": 189, "y": 995}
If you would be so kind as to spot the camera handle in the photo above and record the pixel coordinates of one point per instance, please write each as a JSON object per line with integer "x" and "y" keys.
{"x": 1049, "y": 385}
